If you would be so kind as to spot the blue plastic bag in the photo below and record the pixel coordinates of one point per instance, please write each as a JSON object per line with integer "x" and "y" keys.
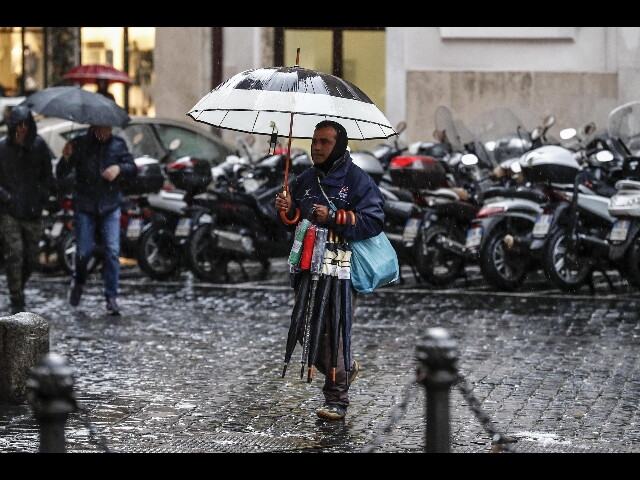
{"x": 374, "y": 263}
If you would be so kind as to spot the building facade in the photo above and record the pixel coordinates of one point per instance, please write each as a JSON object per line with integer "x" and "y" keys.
{"x": 578, "y": 74}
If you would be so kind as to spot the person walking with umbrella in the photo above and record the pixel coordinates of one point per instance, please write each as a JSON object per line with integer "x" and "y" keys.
{"x": 345, "y": 199}
{"x": 26, "y": 181}
{"x": 103, "y": 88}
{"x": 100, "y": 162}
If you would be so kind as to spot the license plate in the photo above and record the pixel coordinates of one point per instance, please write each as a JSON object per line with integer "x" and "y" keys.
{"x": 56, "y": 230}
{"x": 134, "y": 228}
{"x": 619, "y": 231}
{"x": 411, "y": 229}
{"x": 542, "y": 225}
{"x": 474, "y": 237}
{"x": 183, "y": 228}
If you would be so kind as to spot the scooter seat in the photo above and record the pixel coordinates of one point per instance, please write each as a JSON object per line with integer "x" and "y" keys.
{"x": 464, "y": 211}
{"x": 400, "y": 210}
{"x": 627, "y": 185}
{"x": 528, "y": 194}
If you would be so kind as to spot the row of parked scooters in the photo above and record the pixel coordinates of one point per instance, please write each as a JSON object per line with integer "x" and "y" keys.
{"x": 504, "y": 198}
{"x": 513, "y": 201}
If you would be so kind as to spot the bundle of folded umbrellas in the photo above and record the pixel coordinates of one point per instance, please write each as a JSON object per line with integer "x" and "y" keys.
{"x": 321, "y": 261}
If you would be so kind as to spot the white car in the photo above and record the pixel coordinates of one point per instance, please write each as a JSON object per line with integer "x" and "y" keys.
{"x": 163, "y": 139}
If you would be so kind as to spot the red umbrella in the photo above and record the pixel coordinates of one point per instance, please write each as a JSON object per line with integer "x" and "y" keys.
{"x": 83, "y": 74}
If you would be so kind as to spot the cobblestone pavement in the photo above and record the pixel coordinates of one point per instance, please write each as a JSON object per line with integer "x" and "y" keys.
{"x": 195, "y": 367}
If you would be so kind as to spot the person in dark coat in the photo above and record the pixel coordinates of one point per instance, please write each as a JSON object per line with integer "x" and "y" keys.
{"x": 100, "y": 163}
{"x": 334, "y": 177}
{"x": 103, "y": 88}
{"x": 26, "y": 182}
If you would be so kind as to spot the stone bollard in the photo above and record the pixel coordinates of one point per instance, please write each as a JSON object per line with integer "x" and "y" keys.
{"x": 437, "y": 372}
{"x": 52, "y": 398}
{"x": 24, "y": 339}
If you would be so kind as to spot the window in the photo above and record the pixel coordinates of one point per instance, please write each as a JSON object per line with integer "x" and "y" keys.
{"x": 106, "y": 45}
{"x": 22, "y": 61}
{"x": 355, "y": 54}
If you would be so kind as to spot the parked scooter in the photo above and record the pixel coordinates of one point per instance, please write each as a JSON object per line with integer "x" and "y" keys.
{"x": 56, "y": 218}
{"x": 162, "y": 248}
{"x": 240, "y": 223}
{"x": 597, "y": 227}
{"x": 499, "y": 237}
{"x": 448, "y": 193}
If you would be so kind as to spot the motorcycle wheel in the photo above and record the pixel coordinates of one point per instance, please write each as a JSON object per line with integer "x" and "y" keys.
{"x": 632, "y": 262}
{"x": 67, "y": 254}
{"x": 206, "y": 262}
{"x": 435, "y": 264}
{"x": 500, "y": 267}
{"x": 158, "y": 255}
{"x": 566, "y": 269}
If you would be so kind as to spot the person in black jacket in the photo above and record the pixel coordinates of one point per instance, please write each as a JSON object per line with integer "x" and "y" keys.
{"x": 26, "y": 181}
{"x": 103, "y": 88}
{"x": 99, "y": 162}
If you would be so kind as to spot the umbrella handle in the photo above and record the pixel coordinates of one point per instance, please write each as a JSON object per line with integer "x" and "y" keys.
{"x": 285, "y": 186}
{"x": 283, "y": 214}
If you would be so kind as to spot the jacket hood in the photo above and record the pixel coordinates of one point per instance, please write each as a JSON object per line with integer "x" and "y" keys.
{"x": 21, "y": 113}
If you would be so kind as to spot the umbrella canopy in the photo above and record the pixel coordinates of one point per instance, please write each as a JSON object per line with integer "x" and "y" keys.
{"x": 77, "y": 105}
{"x": 268, "y": 101}
{"x": 84, "y": 74}
{"x": 290, "y": 99}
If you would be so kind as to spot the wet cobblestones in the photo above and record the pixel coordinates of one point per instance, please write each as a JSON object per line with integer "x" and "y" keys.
{"x": 197, "y": 368}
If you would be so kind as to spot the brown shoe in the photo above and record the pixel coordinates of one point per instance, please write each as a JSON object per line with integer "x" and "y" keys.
{"x": 332, "y": 412}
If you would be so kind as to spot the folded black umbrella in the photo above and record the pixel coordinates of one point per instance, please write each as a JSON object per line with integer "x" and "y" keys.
{"x": 337, "y": 313}
{"x": 345, "y": 323}
{"x": 318, "y": 326}
{"x": 324, "y": 250}
{"x": 297, "y": 317}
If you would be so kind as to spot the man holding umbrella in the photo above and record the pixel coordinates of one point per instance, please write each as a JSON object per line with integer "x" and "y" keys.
{"x": 99, "y": 161}
{"x": 334, "y": 184}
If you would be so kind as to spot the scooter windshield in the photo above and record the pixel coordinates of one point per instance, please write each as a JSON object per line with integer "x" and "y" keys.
{"x": 503, "y": 135}
{"x": 624, "y": 124}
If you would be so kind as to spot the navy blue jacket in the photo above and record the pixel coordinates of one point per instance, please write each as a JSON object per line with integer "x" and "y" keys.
{"x": 92, "y": 193}
{"x": 349, "y": 188}
{"x": 26, "y": 175}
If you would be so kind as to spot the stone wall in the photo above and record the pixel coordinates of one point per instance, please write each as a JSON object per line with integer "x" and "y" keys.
{"x": 574, "y": 98}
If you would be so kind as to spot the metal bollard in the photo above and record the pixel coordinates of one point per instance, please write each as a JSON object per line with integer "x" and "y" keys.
{"x": 50, "y": 392}
{"x": 437, "y": 372}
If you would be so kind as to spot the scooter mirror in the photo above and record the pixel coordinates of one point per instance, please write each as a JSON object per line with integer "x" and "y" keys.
{"x": 401, "y": 127}
{"x": 549, "y": 121}
{"x": 590, "y": 128}
{"x": 604, "y": 156}
{"x": 536, "y": 133}
{"x": 568, "y": 133}
{"x": 469, "y": 159}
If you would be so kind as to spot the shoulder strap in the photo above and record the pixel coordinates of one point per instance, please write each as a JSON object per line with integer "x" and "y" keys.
{"x": 331, "y": 205}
